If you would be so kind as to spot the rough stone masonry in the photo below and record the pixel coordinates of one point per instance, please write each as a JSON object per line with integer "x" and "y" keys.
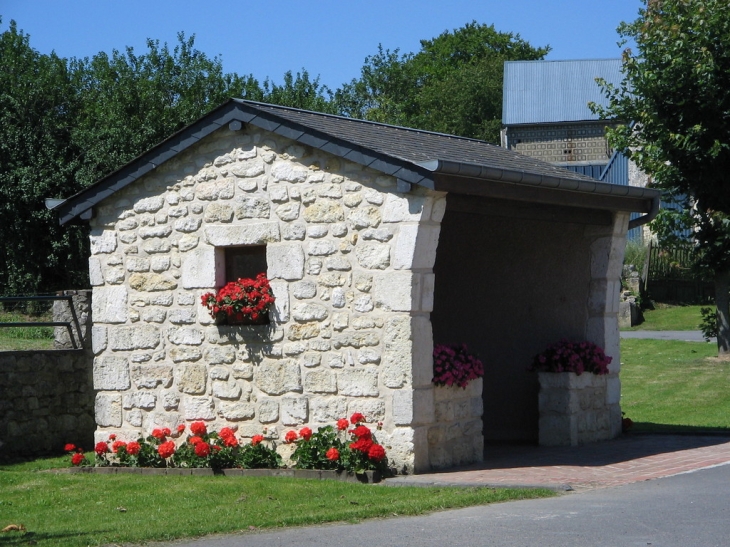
{"x": 350, "y": 262}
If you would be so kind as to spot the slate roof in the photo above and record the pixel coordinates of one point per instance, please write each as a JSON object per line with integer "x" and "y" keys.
{"x": 412, "y": 156}
{"x": 555, "y": 91}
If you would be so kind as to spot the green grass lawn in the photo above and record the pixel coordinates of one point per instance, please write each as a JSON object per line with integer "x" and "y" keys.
{"x": 25, "y": 338}
{"x": 668, "y": 317}
{"x": 674, "y": 386}
{"x": 77, "y": 510}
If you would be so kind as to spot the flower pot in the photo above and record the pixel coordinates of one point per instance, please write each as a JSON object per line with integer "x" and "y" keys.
{"x": 224, "y": 319}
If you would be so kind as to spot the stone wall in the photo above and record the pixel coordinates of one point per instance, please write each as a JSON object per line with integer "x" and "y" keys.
{"x": 350, "y": 261}
{"x": 46, "y": 400}
{"x": 575, "y": 409}
{"x": 81, "y": 301}
{"x": 456, "y": 436}
{"x": 561, "y": 143}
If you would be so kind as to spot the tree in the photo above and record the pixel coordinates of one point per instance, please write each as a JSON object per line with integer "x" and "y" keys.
{"x": 674, "y": 109}
{"x": 452, "y": 85}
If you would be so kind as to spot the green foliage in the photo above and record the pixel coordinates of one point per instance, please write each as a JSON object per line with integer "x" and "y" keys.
{"x": 312, "y": 453}
{"x": 452, "y": 85}
{"x": 258, "y": 456}
{"x": 635, "y": 255}
{"x": 708, "y": 325}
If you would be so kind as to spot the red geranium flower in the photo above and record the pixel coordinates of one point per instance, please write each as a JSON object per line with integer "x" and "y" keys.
{"x": 362, "y": 432}
{"x": 117, "y": 445}
{"x": 112, "y": 437}
{"x": 202, "y": 450}
{"x": 69, "y": 448}
{"x": 305, "y": 433}
{"x": 376, "y": 452}
{"x": 101, "y": 448}
{"x": 226, "y": 432}
{"x": 362, "y": 445}
{"x": 198, "y": 428}
{"x": 333, "y": 454}
{"x": 356, "y": 418}
{"x": 133, "y": 448}
{"x": 195, "y": 440}
{"x": 342, "y": 424}
{"x": 158, "y": 434}
{"x": 180, "y": 428}
{"x": 230, "y": 441}
{"x": 166, "y": 449}
{"x": 257, "y": 439}
{"x": 166, "y": 431}
{"x": 290, "y": 437}
{"x": 77, "y": 458}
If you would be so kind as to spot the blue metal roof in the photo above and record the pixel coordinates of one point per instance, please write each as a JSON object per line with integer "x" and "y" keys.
{"x": 555, "y": 91}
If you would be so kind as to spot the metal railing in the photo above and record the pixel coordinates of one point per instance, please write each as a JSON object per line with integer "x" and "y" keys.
{"x": 67, "y": 324}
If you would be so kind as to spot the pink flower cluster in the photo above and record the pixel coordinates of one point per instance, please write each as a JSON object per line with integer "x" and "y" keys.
{"x": 454, "y": 365}
{"x": 566, "y": 356}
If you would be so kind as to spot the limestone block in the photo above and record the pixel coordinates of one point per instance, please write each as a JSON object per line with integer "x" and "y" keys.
{"x": 355, "y": 340}
{"x": 285, "y": 261}
{"x": 372, "y": 409}
{"x": 218, "y": 212}
{"x": 170, "y": 400}
{"x": 278, "y": 193}
{"x": 134, "y": 417}
{"x": 98, "y": 339}
{"x": 187, "y": 242}
{"x": 326, "y": 410}
{"x": 359, "y": 382}
{"x": 365, "y": 217}
{"x": 108, "y": 410}
{"x": 226, "y": 390}
{"x": 368, "y": 356}
{"x": 137, "y": 337}
{"x": 155, "y": 246}
{"x": 294, "y": 348}
{"x": 324, "y": 211}
{"x": 288, "y": 172}
{"x": 311, "y": 359}
{"x": 316, "y": 231}
{"x": 415, "y": 246}
{"x": 338, "y": 298}
{"x": 103, "y": 243}
{"x": 109, "y": 304}
{"x": 438, "y": 209}
{"x": 309, "y": 312}
{"x": 333, "y": 279}
{"x": 258, "y": 233}
{"x": 243, "y": 371}
{"x": 613, "y": 389}
{"x": 111, "y": 373}
{"x": 406, "y": 209}
{"x": 96, "y": 277}
{"x": 154, "y": 315}
{"x": 126, "y": 225}
{"x": 148, "y": 232}
{"x": 363, "y": 304}
{"x": 185, "y": 354}
{"x": 177, "y": 212}
{"x": 373, "y": 255}
{"x": 294, "y": 410}
{"x": 253, "y": 207}
{"x": 288, "y": 211}
{"x": 397, "y": 291}
{"x": 295, "y": 231}
{"x": 280, "y": 289}
{"x": 303, "y": 331}
{"x": 217, "y": 356}
{"x": 320, "y": 381}
{"x": 268, "y": 411}
{"x": 381, "y": 234}
{"x": 151, "y": 282}
{"x": 236, "y": 410}
{"x": 192, "y": 379}
{"x": 139, "y": 399}
{"x": 322, "y": 248}
{"x": 199, "y": 268}
{"x": 352, "y": 200}
{"x": 277, "y": 376}
{"x": 199, "y": 408}
{"x": 249, "y": 169}
{"x": 189, "y": 336}
{"x": 135, "y": 264}
{"x": 216, "y": 189}
{"x": 151, "y": 376}
{"x": 149, "y": 205}
{"x": 304, "y": 290}
{"x": 186, "y": 225}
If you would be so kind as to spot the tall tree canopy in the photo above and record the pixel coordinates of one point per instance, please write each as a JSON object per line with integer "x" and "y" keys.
{"x": 452, "y": 85}
{"x": 674, "y": 103}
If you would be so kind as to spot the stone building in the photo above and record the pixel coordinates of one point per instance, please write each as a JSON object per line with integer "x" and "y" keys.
{"x": 378, "y": 241}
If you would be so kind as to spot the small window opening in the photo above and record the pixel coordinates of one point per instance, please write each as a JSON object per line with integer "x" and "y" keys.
{"x": 245, "y": 262}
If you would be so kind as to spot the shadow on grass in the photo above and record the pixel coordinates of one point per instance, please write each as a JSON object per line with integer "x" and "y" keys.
{"x": 671, "y": 429}
{"x": 33, "y": 538}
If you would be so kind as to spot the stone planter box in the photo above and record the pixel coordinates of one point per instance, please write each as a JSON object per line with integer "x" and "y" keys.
{"x": 578, "y": 409}
{"x": 368, "y": 477}
{"x": 455, "y": 437}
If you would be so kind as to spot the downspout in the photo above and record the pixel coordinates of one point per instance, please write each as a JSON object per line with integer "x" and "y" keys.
{"x": 651, "y": 215}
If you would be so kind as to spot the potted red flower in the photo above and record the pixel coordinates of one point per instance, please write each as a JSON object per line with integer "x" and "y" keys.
{"x": 246, "y": 301}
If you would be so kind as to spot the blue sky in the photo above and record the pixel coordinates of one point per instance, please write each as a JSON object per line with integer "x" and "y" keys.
{"x": 328, "y": 38}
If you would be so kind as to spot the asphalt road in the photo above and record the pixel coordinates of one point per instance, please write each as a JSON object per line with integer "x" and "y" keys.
{"x": 689, "y": 510}
{"x": 682, "y": 335}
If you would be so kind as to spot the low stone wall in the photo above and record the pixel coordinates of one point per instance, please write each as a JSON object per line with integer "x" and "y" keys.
{"x": 46, "y": 400}
{"x": 578, "y": 409}
{"x": 62, "y": 312}
{"x": 456, "y": 437}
